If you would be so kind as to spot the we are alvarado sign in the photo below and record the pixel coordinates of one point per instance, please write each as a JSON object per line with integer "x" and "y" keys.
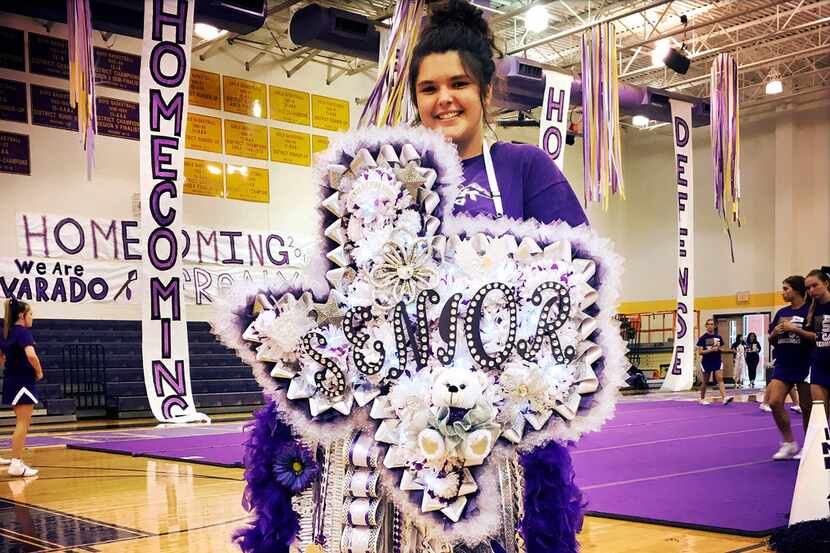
{"x": 165, "y": 76}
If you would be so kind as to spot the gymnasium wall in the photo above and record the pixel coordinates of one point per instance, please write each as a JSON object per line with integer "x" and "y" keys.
{"x": 58, "y": 183}
{"x": 785, "y": 170}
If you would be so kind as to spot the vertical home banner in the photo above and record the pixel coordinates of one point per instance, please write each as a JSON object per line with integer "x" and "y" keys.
{"x": 681, "y": 374}
{"x": 553, "y": 124}
{"x": 165, "y": 75}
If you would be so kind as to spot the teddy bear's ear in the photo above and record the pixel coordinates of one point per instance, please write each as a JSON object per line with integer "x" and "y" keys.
{"x": 431, "y": 444}
{"x": 477, "y": 446}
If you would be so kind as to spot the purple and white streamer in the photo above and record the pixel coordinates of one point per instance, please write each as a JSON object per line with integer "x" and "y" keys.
{"x": 602, "y": 154}
{"x": 726, "y": 140}
{"x": 82, "y": 75}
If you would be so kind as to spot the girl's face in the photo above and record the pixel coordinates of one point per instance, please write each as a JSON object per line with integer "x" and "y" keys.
{"x": 817, "y": 288}
{"x": 26, "y": 318}
{"x": 787, "y": 292}
{"x": 449, "y": 101}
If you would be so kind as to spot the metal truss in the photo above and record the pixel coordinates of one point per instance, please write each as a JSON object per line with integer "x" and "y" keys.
{"x": 787, "y": 38}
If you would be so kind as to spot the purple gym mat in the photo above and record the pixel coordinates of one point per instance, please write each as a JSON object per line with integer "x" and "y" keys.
{"x": 672, "y": 462}
{"x": 224, "y": 449}
{"x": 34, "y": 441}
{"x": 690, "y": 465}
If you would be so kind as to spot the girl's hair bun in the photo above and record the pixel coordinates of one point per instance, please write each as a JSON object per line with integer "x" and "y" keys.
{"x": 463, "y": 14}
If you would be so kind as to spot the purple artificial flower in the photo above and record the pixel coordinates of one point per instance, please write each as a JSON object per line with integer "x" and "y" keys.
{"x": 294, "y": 468}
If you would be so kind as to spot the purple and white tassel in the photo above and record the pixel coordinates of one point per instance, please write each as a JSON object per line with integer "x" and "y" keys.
{"x": 726, "y": 140}
{"x": 82, "y": 75}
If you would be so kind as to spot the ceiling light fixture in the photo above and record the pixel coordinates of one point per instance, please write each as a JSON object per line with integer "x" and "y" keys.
{"x": 537, "y": 19}
{"x": 774, "y": 84}
{"x": 640, "y": 121}
{"x": 774, "y": 87}
{"x": 660, "y": 52}
{"x": 207, "y": 32}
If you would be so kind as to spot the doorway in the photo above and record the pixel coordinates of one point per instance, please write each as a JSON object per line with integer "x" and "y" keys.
{"x": 729, "y": 326}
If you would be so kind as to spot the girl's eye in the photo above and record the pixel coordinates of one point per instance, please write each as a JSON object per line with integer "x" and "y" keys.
{"x": 427, "y": 89}
{"x": 460, "y": 84}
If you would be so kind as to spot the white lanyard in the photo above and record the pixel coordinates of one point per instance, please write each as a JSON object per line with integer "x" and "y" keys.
{"x": 491, "y": 179}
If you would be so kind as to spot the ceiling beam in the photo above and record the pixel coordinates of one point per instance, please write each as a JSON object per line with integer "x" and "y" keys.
{"x": 740, "y": 43}
{"x": 686, "y": 29}
{"x": 518, "y": 11}
{"x": 761, "y": 63}
{"x": 586, "y": 26}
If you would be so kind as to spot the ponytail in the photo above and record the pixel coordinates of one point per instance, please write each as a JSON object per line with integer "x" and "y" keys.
{"x": 11, "y": 313}
{"x": 7, "y": 316}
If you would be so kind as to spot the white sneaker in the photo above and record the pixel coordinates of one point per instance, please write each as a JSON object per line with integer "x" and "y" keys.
{"x": 766, "y": 407}
{"x": 797, "y": 456}
{"x": 19, "y": 468}
{"x": 4, "y": 461}
{"x": 728, "y": 400}
{"x": 796, "y": 408}
{"x": 703, "y": 402}
{"x": 788, "y": 450}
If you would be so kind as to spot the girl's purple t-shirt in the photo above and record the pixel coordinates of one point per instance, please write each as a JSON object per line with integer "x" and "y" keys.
{"x": 711, "y": 361}
{"x": 791, "y": 352}
{"x": 821, "y": 326}
{"x": 530, "y": 184}
{"x": 14, "y": 348}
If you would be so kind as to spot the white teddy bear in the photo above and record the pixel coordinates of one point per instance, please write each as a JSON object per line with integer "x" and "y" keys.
{"x": 457, "y": 388}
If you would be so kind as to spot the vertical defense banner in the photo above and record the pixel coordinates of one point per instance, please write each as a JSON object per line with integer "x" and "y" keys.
{"x": 681, "y": 374}
{"x": 553, "y": 124}
{"x": 165, "y": 72}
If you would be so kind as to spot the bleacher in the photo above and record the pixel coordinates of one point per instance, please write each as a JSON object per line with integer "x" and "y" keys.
{"x": 221, "y": 382}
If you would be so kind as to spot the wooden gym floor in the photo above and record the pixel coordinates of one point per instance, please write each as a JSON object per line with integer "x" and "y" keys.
{"x": 100, "y": 502}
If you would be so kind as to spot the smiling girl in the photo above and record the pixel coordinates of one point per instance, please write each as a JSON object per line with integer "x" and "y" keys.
{"x": 451, "y": 80}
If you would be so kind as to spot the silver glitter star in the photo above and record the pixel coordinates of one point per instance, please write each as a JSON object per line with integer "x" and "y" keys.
{"x": 411, "y": 179}
{"x": 328, "y": 313}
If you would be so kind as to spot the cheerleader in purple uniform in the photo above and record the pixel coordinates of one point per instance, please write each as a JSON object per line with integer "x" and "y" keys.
{"x": 22, "y": 371}
{"x": 792, "y": 361}
{"x": 818, "y": 286}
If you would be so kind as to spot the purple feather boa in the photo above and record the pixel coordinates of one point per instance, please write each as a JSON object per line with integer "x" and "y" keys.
{"x": 811, "y": 536}
{"x": 274, "y": 524}
{"x": 553, "y": 502}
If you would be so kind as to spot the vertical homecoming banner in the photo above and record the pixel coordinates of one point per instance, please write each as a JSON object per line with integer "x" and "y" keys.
{"x": 681, "y": 374}
{"x": 165, "y": 76}
{"x": 553, "y": 124}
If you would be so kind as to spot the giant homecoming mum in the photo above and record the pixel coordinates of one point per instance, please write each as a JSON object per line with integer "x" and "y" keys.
{"x": 428, "y": 369}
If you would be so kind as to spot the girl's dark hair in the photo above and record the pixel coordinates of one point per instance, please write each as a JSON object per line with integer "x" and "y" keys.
{"x": 458, "y": 26}
{"x": 11, "y": 313}
{"x": 739, "y": 339}
{"x": 822, "y": 275}
{"x": 796, "y": 282}
{"x": 753, "y": 336}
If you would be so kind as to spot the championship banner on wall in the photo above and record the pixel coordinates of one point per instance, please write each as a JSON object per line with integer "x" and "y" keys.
{"x": 681, "y": 374}
{"x": 165, "y": 71}
{"x": 553, "y": 124}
